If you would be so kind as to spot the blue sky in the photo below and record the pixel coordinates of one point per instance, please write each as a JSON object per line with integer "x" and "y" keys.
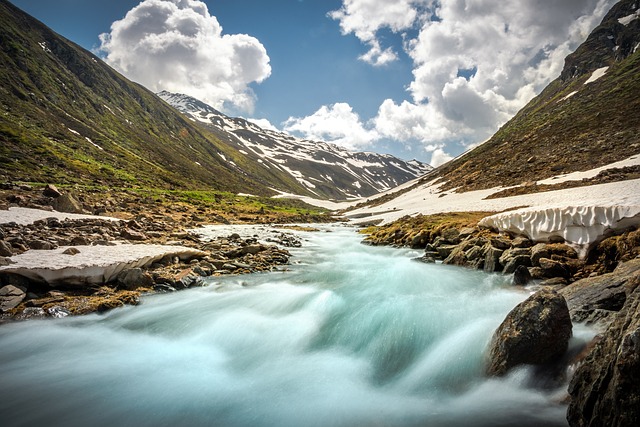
{"x": 419, "y": 79}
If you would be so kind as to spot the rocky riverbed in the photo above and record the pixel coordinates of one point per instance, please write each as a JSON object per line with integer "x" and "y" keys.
{"x": 186, "y": 257}
{"x": 601, "y": 289}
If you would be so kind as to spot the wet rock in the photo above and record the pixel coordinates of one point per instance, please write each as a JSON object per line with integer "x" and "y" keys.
{"x": 605, "y": 389}
{"x": 451, "y": 235}
{"x": 491, "y": 259}
{"x": 445, "y": 250}
{"x": 535, "y": 332}
{"x": 10, "y": 297}
{"x": 58, "y": 312}
{"x": 521, "y": 276}
{"x": 597, "y": 299}
{"x": 516, "y": 261}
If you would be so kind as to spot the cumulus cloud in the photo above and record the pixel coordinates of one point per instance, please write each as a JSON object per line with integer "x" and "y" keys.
{"x": 177, "y": 45}
{"x": 475, "y": 62}
{"x": 337, "y": 123}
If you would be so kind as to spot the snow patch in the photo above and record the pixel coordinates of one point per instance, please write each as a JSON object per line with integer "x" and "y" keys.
{"x": 627, "y": 19}
{"x": 26, "y": 216}
{"x": 93, "y": 265}
{"x": 596, "y": 75}
{"x": 569, "y": 96}
{"x": 93, "y": 143}
{"x": 74, "y": 131}
{"x": 580, "y": 226}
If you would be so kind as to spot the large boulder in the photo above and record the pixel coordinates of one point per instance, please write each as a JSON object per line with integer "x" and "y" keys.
{"x": 605, "y": 389}
{"x": 535, "y": 332}
{"x": 598, "y": 299}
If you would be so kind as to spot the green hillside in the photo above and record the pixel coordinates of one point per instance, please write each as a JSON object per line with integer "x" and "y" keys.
{"x": 67, "y": 117}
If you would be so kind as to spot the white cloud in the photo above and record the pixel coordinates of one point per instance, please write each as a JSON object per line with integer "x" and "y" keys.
{"x": 336, "y": 123}
{"x": 176, "y": 45}
{"x": 364, "y": 18}
{"x": 264, "y": 124}
{"x": 509, "y": 51}
{"x": 439, "y": 157}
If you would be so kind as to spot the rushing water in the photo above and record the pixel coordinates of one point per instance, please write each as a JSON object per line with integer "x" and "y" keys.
{"x": 352, "y": 335}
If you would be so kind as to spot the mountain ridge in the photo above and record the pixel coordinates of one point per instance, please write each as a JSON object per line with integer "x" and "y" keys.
{"x": 326, "y": 169}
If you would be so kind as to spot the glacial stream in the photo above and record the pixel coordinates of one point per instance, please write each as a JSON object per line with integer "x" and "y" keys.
{"x": 350, "y": 335}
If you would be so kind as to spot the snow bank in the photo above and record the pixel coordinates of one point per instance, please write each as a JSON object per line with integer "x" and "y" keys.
{"x": 25, "y": 216}
{"x": 93, "y": 265}
{"x": 580, "y": 226}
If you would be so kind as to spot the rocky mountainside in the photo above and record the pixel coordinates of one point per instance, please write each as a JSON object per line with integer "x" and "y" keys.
{"x": 587, "y": 117}
{"x": 326, "y": 170}
{"x": 69, "y": 118}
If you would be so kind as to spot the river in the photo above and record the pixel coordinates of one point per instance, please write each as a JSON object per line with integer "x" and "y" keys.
{"x": 349, "y": 335}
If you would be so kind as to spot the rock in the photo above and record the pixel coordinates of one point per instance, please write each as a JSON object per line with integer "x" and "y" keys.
{"x": 521, "y": 276}
{"x": 445, "y": 250}
{"x": 67, "y": 203}
{"x": 5, "y": 249}
{"x": 71, "y": 251}
{"x": 513, "y": 252}
{"x": 556, "y": 282}
{"x": 535, "y": 332}
{"x": 41, "y": 244}
{"x": 540, "y": 250}
{"x": 130, "y": 234}
{"x": 58, "y": 312}
{"x": 521, "y": 242}
{"x": 491, "y": 258}
{"x": 515, "y": 262}
{"x": 499, "y": 243}
{"x": 133, "y": 278}
{"x": 79, "y": 241}
{"x": 554, "y": 238}
{"x": 597, "y": 299}
{"x": 51, "y": 191}
{"x": 10, "y": 297}
{"x": 451, "y": 235}
{"x": 551, "y": 268}
{"x": 605, "y": 389}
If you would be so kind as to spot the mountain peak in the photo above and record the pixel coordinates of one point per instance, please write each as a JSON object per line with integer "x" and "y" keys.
{"x": 323, "y": 169}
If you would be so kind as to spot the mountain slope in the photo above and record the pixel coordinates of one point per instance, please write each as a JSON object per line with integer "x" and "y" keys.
{"x": 587, "y": 117}
{"x": 67, "y": 117}
{"x": 326, "y": 170}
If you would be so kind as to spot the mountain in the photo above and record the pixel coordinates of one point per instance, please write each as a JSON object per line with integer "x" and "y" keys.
{"x": 586, "y": 118}
{"x": 67, "y": 117}
{"x": 326, "y": 170}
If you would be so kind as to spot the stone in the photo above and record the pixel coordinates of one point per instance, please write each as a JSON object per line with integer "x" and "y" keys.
{"x": 451, "y": 235}
{"x": 551, "y": 268}
{"x": 67, "y": 203}
{"x": 597, "y": 299}
{"x": 515, "y": 262}
{"x": 5, "y": 249}
{"x": 130, "y": 234}
{"x": 79, "y": 241}
{"x": 521, "y": 276}
{"x": 133, "y": 278}
{"x": 71, "y": 251}
{"x": 540, "y": 250}
{"x": 41, "y": 244}
{"x": 535, "y": 332}
{"x": 499, "y": 243}
{"x": 445, "y": 250}
{"x": 605, "y": 389}
{"x": 10, "y": 297}
{"x": 491, "y": 259}
{"x": 521, "y": 242}
{"x": 513, "y": 252}
{"x": 51, "y": 191}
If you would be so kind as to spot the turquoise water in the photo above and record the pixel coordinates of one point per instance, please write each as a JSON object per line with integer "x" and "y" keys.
{"x": 351, "y": 335}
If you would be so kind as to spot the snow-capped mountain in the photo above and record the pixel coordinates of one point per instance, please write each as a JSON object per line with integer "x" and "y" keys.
{"x": 325, "y": 170}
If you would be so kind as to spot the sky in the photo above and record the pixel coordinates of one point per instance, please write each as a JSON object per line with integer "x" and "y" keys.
{"x": 423, "y": 79}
